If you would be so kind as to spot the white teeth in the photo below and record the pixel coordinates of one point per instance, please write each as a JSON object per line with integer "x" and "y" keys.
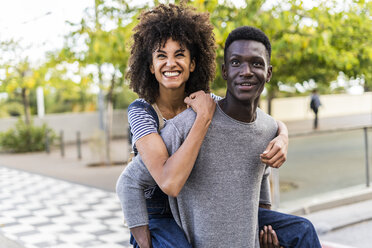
{"x": 171, "y": 74}
{"x": 246, "y": 84}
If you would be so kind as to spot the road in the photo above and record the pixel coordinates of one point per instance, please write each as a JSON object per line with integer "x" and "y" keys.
{"x": 358, "y": 235}
{"x": 324, "y": 162}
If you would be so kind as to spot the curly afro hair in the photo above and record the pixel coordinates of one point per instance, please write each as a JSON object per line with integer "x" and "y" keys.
{"x": 182, "y": 24}
{"x": 248, "y": 33}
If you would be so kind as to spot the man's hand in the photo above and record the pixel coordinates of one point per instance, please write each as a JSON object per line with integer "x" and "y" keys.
{"x": 268, "y": 238}
{"x": 275, "y": 153}
{"x": 142, "y": 236}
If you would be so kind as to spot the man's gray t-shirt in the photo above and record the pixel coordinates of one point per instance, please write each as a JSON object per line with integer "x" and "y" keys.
{"x": 218, "y": 206}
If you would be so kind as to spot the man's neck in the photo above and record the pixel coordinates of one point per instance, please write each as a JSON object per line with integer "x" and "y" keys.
{"x": 241, "y": 111}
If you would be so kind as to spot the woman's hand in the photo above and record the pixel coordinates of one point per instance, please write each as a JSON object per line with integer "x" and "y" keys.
{"x": 202, "y": 103}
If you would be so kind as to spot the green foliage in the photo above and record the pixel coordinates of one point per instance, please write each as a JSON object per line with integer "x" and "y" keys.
{"x": 25, "y": 138}
{"x": 124, "y": 97}
{"x": 10, "y": 108}
{"x": 308, "y": 42}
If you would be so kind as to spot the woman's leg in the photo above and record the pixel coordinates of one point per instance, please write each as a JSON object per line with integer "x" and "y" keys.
{"x": 292, "y": 231}
{"x": 165, "y": 233}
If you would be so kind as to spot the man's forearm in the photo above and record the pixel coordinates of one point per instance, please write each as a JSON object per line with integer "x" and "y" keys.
{"x": 267, "y": 206}
{"x": 142, "y": 236}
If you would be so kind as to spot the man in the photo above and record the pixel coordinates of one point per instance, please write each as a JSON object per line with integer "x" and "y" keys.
{"x": 218, "y": 205}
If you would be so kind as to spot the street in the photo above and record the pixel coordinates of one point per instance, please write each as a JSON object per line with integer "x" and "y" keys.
{"x": 322, "y": 163}
{"x": 358, "y": 235}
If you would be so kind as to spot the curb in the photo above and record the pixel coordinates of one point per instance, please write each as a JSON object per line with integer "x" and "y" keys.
{"x": 330, "y": 200}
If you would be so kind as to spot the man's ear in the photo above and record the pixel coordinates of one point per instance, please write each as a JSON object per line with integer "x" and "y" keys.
{"x": 192, "y": 65}
{"x": 224, "y": 72}
{"x": 152, "y": 68}
{"x": 269, "y": 73}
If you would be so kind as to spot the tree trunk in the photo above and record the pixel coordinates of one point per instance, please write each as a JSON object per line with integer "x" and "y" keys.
{"x": 270, "y": 97}
{"x": 109, "y": 118}
{"x": 366, "y": 87}
{"x": 26, "y": 106}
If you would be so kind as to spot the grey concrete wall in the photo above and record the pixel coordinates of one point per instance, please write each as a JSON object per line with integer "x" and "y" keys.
{"x": 298, "y": 108}
{"x": 284, "y": 109}
{"x": 71, "y": 123}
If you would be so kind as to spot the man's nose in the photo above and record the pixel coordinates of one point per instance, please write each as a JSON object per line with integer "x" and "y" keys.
{"x": 246, "y": 70}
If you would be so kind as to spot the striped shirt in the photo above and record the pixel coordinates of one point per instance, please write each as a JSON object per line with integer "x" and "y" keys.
{"x": 142, "y": 123}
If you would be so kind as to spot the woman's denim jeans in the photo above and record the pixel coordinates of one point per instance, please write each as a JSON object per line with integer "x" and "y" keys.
{"x": 165, "y": 233}
{"x": 292, "y": 231}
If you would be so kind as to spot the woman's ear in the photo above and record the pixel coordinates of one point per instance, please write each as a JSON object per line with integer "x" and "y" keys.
{"x": 152, "y": 69}
{"x": 192, "y": 65}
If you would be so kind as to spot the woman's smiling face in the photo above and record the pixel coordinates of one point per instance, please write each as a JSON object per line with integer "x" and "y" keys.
{"x": 172, "y": 65}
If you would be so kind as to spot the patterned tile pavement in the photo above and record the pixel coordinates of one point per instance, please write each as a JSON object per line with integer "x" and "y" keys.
{"x": 41, "y": 212}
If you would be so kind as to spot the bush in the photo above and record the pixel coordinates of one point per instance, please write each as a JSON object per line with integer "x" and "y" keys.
{"x": 10, "y": 108}
{"x": 25, "y": 138}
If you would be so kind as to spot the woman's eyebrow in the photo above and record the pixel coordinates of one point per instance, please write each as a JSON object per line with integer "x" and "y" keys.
{"x": 160, "y": 51}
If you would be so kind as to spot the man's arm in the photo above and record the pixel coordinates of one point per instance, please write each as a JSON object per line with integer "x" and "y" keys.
{"x": 268, "y": 237}
{"x": 142, "y": 236}
{"x": 130, "y": 190}
{"x": 265, "y": 194}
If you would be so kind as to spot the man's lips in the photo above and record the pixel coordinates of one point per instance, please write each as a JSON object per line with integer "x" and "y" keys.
{"x": 245, "y": 86}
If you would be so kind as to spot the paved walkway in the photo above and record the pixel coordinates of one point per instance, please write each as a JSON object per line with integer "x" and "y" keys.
{"x": 38, "y": 212}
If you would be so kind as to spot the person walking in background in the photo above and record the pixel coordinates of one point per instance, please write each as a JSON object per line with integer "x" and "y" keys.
{"x": 314, "y": 105}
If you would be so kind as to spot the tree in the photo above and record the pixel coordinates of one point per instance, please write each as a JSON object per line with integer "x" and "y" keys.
{"x": 105, "y": 32}
{"x": 19, "y": 80}
{"x": 307, "y": 42}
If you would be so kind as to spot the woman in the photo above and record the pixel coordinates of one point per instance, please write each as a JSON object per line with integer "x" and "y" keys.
{"x": 172, "y": 63}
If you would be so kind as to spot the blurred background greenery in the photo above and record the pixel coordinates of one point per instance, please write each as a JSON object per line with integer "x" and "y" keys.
{"x": 313, "y": 45}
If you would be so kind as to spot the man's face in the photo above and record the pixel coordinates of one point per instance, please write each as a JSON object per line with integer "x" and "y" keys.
{"x": 246, "y": 69}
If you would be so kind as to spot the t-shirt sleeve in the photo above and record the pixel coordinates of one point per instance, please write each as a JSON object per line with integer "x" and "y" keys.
{"x": 141, "y": 122}
{"x": 265, "y": 196}
{"x": 130, "y": 191}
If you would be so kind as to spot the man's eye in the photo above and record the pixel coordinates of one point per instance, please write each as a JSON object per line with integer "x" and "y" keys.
{"x": 257, "y": 64}
{"x": 234, "y": 62}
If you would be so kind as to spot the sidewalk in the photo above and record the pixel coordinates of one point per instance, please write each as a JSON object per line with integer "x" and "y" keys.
{"x": 330, "y": 123}
{"x": 76, "y": 175}
{"x": 38, "y": 212}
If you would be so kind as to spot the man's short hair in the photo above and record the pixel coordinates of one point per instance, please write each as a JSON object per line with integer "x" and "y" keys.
{"x": 248, "y": 33}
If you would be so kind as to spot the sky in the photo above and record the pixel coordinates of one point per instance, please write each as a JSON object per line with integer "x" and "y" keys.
{"x": 39, "y": 25}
